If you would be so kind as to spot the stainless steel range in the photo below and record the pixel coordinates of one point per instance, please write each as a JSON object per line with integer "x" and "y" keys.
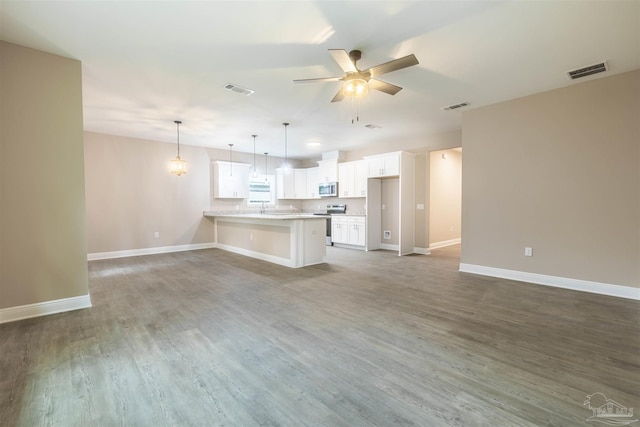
{"x": 332, "y": 209}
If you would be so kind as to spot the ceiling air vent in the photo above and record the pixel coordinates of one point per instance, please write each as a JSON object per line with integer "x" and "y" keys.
{"x": 455, "y": 106}
{"x": 238, "y": 89}
{"x": 588, "y": 70}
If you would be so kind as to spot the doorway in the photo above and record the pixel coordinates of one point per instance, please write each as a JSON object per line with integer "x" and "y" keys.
{"x": 445, "y": 198}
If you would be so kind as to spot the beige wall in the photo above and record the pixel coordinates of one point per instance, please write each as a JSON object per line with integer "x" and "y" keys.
{"x": 559, "y": 172}
{"x": 274, "y": 240}
{"x": 421, "y": 196}
{"x": 390, "y": 210}
{"x": 42, "y": 205}
{"x": 445, "y": 183}
{"x": 131, "y": 194}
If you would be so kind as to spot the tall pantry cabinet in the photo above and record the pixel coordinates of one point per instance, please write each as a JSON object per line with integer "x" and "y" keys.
{"x": 401, "y": 167}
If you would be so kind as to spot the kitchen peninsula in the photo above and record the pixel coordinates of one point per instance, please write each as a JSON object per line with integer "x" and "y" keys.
{"x": 290, "y": 239}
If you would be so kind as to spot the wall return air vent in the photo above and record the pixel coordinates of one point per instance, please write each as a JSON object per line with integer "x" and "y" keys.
{"x": 588, "y": 70}
{"x": 455, "y": 106}
{"x": 238, "y": 89}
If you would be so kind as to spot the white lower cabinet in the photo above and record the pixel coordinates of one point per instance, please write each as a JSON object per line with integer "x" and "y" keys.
{"x": 349, "y": 230}
{"x": 357, "y": 231}
{"x": 339, "y": 229}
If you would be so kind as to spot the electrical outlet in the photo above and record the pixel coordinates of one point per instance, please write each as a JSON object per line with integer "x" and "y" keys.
{"x": 156, "y": 234}
{"x": 528, "y": 251}
{"x": 386, "y": 234}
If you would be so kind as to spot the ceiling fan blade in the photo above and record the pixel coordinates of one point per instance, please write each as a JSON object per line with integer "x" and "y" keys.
{"x": 344, "y": 61}
{"x": 384, "y": 86}
{"x": 396, "y": 64}
{"x": 339, "y": 96}
{"x": 320, "y": 80}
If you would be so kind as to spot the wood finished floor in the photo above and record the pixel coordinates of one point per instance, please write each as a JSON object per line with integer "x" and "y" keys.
{"x": 210, "y": 338}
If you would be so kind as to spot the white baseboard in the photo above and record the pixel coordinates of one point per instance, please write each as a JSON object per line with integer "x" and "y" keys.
{"x": 148, "y": 251}
{"x": 12, "y": 314}
{"x": 422, "y": 251}
{"x": 555, "y": 281}
{"x": 257, "y": 255}
{"x": 388, "y": 247}
{"x": 445, "y": 243}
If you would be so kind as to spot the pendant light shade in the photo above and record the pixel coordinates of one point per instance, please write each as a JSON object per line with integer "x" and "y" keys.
{"x": 178, "y": 165}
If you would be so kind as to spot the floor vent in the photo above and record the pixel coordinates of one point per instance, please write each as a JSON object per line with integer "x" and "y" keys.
{"x": 455, "y": 106}
{"x": 238, "y": 89}
{"x": 588, "y": 70}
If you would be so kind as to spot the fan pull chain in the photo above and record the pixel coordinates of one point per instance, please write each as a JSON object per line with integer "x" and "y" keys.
{"x": 355, "y": 107}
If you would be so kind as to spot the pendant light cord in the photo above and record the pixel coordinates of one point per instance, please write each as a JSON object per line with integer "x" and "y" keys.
{"x": 266, "y": 169}
{"x": 178, "y": 122}
{"x": 254, "y": 153}
{"x": 286, "y": 160}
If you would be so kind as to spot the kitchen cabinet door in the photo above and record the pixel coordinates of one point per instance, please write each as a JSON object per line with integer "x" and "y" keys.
{"x": 339, "y": 230}
{"x": 286, "y": 186}
{"x": 346, "y": 179}
{"x": 328, "y": 170}
{"x": 360, "y": 176}
{"x": 312, "y": 183}
{"x": 384, "y": 165}
{"x": 357, "y": 231}
{"x": 300, "y": 183}
{"x": 231, "y": 180}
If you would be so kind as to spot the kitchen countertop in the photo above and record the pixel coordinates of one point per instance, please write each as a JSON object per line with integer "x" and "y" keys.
{"x": 272, "y": 215}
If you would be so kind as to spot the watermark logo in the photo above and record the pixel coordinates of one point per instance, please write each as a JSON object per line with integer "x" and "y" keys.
{"x": 608, "y": 411}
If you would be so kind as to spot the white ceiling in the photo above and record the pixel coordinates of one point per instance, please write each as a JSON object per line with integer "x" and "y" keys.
{"x": 148, "y": 63}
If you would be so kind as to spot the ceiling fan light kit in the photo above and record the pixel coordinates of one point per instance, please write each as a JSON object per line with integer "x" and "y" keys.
{"x": 357, "y": 82}
{"x": 354, "y": 86}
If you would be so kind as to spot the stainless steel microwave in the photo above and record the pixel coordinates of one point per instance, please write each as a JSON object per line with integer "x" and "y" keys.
{"x": 328, "y": 189}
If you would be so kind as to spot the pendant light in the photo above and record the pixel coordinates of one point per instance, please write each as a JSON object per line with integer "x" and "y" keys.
{"x": 285, "y": 166}
{"x": 178, "y": 166}
{"x": 254, "y": 174}
{"x": 230, "y": 162}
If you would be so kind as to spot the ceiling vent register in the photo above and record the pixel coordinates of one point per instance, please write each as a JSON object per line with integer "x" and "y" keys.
{"x": 588, "y": 70}
{"x": 455, "y": 106}
{"x": 238, "y": 89}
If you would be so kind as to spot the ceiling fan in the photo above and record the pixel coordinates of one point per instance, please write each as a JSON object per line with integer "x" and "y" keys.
{"x": 355, "y": 81}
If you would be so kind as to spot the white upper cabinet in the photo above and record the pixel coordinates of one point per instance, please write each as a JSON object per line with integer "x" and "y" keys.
{"x": 384, "y": 165}
{"x": 286, "y": 184}
{"x": 312, "y": 183}
{"x": 346, "y": 179}
{"x": 300, "y": 183}
{"x": 360, "y": 176}
{"x": 352, "y": 178}
{"x": 231, "y": 180}
{"x": 294, "y": 184}
{"x": 328, "y": 170}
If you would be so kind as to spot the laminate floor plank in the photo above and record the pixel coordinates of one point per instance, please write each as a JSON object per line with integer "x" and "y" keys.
{"x": 211, "y": 338}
